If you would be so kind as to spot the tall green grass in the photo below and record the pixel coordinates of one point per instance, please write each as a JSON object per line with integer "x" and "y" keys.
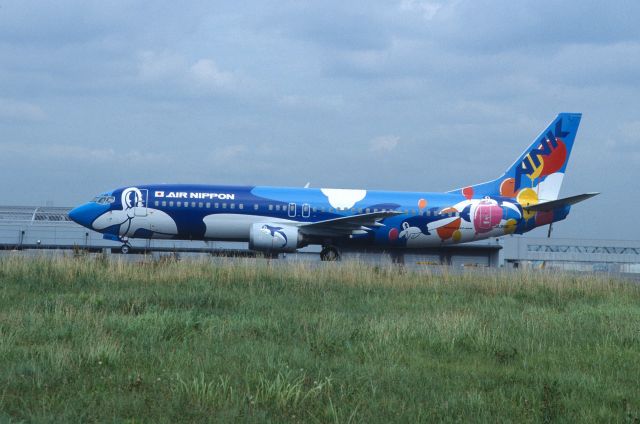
{"x": 91, "y": 339}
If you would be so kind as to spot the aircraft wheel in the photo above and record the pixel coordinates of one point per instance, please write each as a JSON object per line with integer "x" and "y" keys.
{"x": 125, "y": 249}
{"x": 329, "y": 254}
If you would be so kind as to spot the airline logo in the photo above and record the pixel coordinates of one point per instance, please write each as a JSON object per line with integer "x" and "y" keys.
{"x": 549, "y": 157}
{"x": 194, "y": 195}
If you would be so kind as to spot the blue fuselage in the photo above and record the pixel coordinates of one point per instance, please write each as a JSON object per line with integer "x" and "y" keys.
{"x": 321, "y": 216}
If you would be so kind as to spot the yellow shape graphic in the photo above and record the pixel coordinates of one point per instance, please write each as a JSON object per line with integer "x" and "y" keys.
{"x": 536, "y": 170}
{"x": 527, "y": 197}
{"x": 510, "y": 226}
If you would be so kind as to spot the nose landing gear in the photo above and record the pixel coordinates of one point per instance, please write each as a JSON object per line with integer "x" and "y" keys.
{"x": 126, "y": 247}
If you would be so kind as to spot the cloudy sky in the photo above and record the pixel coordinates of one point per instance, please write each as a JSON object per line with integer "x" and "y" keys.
{"x": 400, "y": 95}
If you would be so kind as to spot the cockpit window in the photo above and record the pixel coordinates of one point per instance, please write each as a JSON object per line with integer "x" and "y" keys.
{"x": 104, "y": 200}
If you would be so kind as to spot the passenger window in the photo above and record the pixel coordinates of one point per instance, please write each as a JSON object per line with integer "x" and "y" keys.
{"x": 331, "y": 210}
{"x": 277, "y": 207}
{"x": 270, "y": 207}
{"x": 164, "y": 203}
{"x": 224, "y": 206}
{"x": 368, "y": 210}
{"x": 200, "y": 204}
{"x": 255, "y": 207}
{"x": 156, "y": 203}
{"x": 171, "y": 204}
{"x": 178, "y": 204}
{"x": 232, "y": 206}
{"x": 216, "y": 205}
{"x": 186, "y": 204}
{"x": 241, "y": 206}
{"x": 193, "y": 204}
{"x": 208, "y": 205}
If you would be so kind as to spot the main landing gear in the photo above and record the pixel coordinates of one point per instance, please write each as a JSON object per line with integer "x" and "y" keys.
{"x": 329, "y": 254}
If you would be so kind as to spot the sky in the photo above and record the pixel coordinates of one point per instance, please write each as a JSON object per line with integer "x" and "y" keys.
{"x": 409, "y": 95}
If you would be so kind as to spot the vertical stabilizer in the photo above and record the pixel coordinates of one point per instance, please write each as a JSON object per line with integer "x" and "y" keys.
{"x": 536, "y": 176}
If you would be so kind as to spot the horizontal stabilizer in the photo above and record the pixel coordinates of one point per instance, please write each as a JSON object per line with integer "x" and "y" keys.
{"x": 555, "y": 204}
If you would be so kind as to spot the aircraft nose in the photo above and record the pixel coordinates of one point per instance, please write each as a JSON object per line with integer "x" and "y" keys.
{"x": 74, "y": 215}
{"x": 87, "y": 213}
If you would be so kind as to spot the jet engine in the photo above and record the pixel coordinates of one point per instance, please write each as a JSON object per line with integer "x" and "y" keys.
{"x": 270, "y": 237}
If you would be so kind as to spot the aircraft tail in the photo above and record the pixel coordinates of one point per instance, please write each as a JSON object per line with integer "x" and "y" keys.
{"x": 536, "y": 176}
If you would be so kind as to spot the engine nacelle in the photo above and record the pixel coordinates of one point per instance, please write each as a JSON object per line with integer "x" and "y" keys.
{"x": 270, "y": 237}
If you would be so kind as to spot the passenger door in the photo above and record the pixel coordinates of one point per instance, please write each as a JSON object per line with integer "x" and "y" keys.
{"x": 141, "y": 204}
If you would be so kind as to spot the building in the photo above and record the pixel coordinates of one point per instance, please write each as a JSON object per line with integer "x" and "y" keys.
{"x": 621, "y": 256}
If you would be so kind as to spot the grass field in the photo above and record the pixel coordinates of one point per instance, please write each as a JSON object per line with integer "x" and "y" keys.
{"x": 91, "y": 340}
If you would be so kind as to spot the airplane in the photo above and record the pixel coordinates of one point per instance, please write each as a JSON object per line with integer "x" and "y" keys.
{"x": 277, "y": 220}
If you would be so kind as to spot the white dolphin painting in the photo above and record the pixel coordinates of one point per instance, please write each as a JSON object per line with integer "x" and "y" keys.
{"x": 135, "y": 216}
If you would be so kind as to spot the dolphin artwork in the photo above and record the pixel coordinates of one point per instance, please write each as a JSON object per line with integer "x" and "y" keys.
{"x": 275, "y": 232}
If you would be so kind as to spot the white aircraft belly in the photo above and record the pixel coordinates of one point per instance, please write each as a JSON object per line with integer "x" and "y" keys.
{"x": 162, "y": 225}
{"x": 235, "y": 226}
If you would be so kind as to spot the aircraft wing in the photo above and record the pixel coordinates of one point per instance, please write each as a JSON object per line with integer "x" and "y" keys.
{"x": 345, "y": 225}
{"x": 554, "y": 204}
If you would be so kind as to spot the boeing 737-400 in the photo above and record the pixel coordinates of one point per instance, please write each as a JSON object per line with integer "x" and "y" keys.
{"x": 275, "y": 220}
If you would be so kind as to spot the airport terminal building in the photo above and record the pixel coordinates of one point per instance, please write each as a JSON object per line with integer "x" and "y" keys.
{"x": 49, "y": 228}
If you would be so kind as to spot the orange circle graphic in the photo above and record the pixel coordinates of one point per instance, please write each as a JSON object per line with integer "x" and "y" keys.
{"x": 508, "y": 187}
{"x": 467, "y": 192}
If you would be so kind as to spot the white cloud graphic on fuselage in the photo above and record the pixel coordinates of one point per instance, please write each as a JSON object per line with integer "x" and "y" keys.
{"x": 343, "y": 198}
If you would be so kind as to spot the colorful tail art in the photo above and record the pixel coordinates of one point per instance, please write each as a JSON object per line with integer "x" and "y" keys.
{"x": 536, "y": 176}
